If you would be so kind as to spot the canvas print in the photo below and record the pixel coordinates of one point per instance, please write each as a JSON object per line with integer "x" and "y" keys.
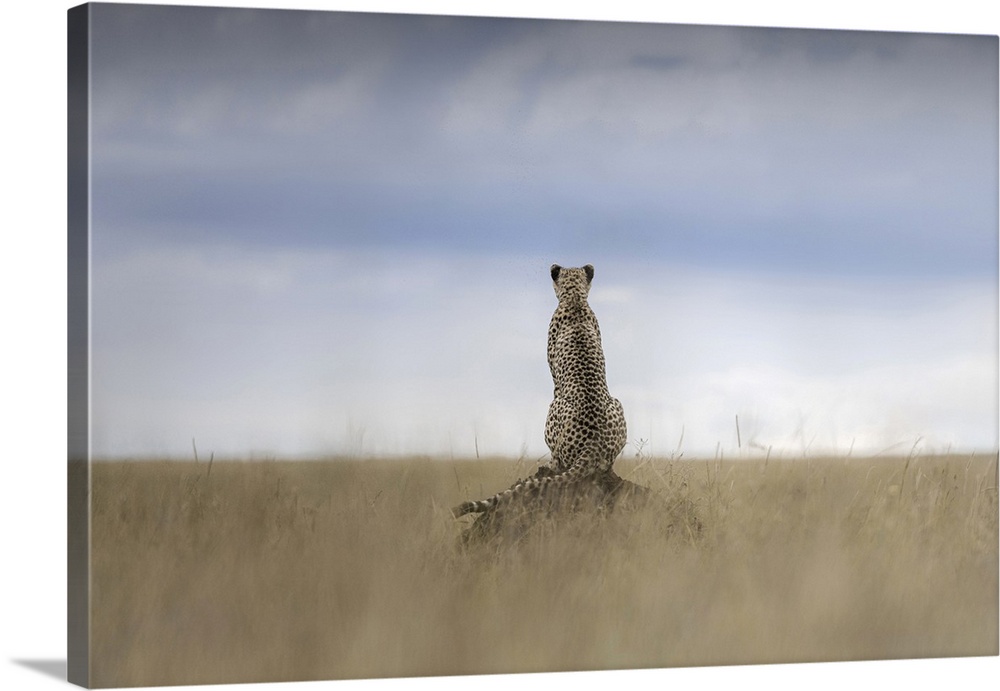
{"x": 408, "y": 345}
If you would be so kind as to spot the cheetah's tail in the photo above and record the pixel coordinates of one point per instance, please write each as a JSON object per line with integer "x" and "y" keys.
{"x": 575, "y": 473}
{"x": 471, "y": 507}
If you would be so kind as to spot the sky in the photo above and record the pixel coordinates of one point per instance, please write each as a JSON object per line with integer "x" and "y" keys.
{"x": 319, "y": 233}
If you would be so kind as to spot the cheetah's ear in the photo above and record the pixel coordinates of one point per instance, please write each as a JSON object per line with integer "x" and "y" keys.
{"x": 589, "y": 270}
{"x": 554, "y": 270}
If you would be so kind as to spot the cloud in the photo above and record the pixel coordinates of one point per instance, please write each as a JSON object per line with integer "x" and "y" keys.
{"x": 299, "y": 215}
{"x": 257, "y": 352}
{"x": 810, "y": 360}
{"x": 232, "y": 346}
{"x": 817, "y": 149}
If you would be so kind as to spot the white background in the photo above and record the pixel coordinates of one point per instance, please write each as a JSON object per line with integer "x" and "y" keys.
{"x": 32, "y": 271}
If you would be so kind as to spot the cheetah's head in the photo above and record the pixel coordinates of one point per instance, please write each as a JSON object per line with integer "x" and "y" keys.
{"x": 572, "y": 284}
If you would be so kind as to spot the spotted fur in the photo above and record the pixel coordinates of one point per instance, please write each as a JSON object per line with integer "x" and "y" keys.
{"x": 585, "y": 428}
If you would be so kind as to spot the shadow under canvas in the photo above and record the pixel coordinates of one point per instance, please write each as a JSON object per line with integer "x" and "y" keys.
{"x": 51, "y": 668}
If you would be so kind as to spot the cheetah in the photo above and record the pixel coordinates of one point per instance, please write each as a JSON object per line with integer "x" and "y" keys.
{"x": 585, "y": 428}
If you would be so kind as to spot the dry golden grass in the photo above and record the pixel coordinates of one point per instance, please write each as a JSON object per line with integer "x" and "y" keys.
{"x": 264, "y": 571}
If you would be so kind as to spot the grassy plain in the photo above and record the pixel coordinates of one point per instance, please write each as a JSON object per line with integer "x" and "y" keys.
{"x": 264, "y": 571}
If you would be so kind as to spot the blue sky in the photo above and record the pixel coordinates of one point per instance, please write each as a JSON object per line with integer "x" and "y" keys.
{"x": 330, "y": 233}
